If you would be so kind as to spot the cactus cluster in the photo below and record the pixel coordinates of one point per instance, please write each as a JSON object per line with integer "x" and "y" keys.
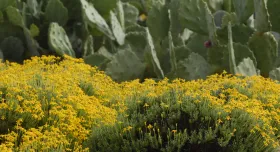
{"x": 189, "y": 39}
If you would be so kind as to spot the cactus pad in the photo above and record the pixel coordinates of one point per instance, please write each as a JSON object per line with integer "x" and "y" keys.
{"x": 95, "y": 19}
{"x": 1, "y": 56}
{"x": 88, "y": 48}
{"x": 56, "y": 12}
{"x": 196, "y": 16}
{"x": 243, "y": 9}
{"x": 117, "y": 29}
{"x": 193, "y": 67}
{"x": 246, "y": 68}
{"x": 14, "y": 16}
{"x": 274, "y": 12}
{"x": 59, "y": 41}
{"x": 120, "y": 13}
{"x": 275, "y": 74}
{"x": 137, "y": 41}
{"x": 153, "y": 53}
{"x": 13, "y": 49}
{"x": 130, "y": 14}
{"x": 262, "y": 23}
{"x": 265, "y": 48}
{"x": 6, "y": 3}
{"x": 158, "y": 22}
{"x": 98, "y": 60}
{"x": 125, "y": 65}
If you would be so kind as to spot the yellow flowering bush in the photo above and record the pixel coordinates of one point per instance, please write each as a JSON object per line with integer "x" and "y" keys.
{"x": 221, "y": 113}
{"x": 45, "y": 104}
{"x": 49, "y": 104}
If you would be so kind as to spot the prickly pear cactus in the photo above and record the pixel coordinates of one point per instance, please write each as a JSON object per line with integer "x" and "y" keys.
{"x": 215, "y": 5}
{"x": 240, "y": 52}
{"x": 95, "y": 20}
{"x": 196, "y": 44}
{"x": 215, "y": 56}
{"x": 34, "y": 7}
{"x": 138, "y": 43}
{"x": 125, "y": 65}
{"x": 130, "y": 14}
{"x": 153, "y": 55}
{"x": 172, "y": 53}
{"x": 196, "y": 16}
{"x": 103, "y": 51}
{"x": 5, "y": 3}
{"x": 243, "y": 9}
{"x": 14, "y": 16}
{"x": 135, "y": 28}
{"x": 34, "y": 30}
{"x": 246, "y": 68}
{"x": 232, "y": 62}
{"x": 229, "y": 17}
{"x": 240, "y": 33}
{"x": 182, "y": 52}
{"x": 158, "y": 21}
{"x": 120, "y": 14}
{"x": 88, "y": 48}
{"x": 1, "y": 56}
{"x": 218, "y": 18}
{"x": 104, "y": 7}
{"x": 175, "y": 24}
{"x": 275, "y": 74}
{"x": 262, "y": 22}
{"x": 1, "y": 17}
{"x": 274, "y": 12}
{"x": 193, "y": 15}
{"x": 56, "y": 12}
{"x": 13, "y": 49}
{"x": 117, "y": 29}
{"x": 193, "y": 67}
{"x": 59, "y": 41}
{"x": 97, "y": 60}
{"x": 265, "y": 49}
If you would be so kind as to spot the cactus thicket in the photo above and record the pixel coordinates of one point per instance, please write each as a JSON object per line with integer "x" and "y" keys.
{"x": 164, "y": 37}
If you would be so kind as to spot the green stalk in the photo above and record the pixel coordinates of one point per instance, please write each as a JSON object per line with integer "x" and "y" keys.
{"x": 232, "y": 63}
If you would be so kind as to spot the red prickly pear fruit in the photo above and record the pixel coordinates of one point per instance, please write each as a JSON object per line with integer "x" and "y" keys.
{"x": 208, "y": 44}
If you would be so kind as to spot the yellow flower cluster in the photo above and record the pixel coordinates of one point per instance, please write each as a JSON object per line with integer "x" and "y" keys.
{"x": 258, "y": 96}
{"x": 51, "y": 111}
{"x": 43, "y": 103}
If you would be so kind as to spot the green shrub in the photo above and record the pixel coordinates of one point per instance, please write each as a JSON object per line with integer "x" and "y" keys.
{"x": 219, "y": 114}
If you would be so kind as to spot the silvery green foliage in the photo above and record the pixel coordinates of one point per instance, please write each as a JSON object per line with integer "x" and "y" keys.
{"x": 177, "y": 34}
{"x": 153, "y": 55}
{"x": 117, "y": 29}
{"x": 130, "y": 14}
{"x": 59, "y": 41}
{"x": 34, "y": 7}
{"x": 244, "y": 9}
{"x": 275, "y": 74}
{"x": 125, "y": 65}
{"x": 88, "y": 48}
{"x": 94, "y": 19}
{"x": 265, "y": 48}
{"x": 262, "y": 22}
{"x": 193, "y": 67}
{"x": 120, "y": 14}
{"x": 246, "y": 68}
